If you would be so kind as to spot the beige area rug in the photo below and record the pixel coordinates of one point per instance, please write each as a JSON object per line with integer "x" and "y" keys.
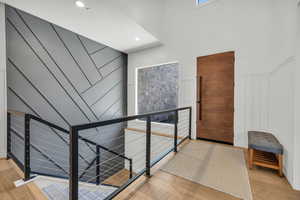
{"x": 217, "y": 166}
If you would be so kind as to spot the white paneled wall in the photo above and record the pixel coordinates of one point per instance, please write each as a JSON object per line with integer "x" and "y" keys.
{"x": 266, "y": 103}
{"x": 261, "y": 42}
{"x": 2, "y": 83}
{"x": 281, "y": 108}
{"x": 256, "y": 102}
{"x": 297, "y": 125}
{"x": 297, "y": 105}
{"x": 269, "y": 104}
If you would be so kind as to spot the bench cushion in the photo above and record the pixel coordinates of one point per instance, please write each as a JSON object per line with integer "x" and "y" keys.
{"x": 264, "y": 142}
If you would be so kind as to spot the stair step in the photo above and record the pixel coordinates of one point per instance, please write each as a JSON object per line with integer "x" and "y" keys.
{"x": 59, "y": 189}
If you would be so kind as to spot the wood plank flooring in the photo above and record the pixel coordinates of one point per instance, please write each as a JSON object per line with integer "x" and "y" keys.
{"x": 164, "y": 186}
{"x": 8, "y": 191}
{"x": 118, "y": 179}
{"x": 265, "y": 185}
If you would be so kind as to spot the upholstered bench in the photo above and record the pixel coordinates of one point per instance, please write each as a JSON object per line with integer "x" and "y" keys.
{"x": 264, "y": 150}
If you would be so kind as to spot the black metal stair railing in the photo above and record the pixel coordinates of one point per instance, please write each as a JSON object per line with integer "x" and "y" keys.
{"x": 137, "y": 164}
{"x": 176, "y": 138}
{"x": 26, "y": 165}
{"x": 40, "y": 151}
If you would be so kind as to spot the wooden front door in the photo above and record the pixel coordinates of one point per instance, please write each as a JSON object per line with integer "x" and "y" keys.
{"x": 215, "y": 97}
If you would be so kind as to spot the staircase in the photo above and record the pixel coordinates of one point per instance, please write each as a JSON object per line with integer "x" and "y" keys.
{"x": 75, "y": 167}
{"x": 58, "y": 189}
{"x": 37, "y": 156}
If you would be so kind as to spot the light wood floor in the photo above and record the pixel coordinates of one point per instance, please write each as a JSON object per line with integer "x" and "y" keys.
{"x": 265, "y": 184}
{"x": 118, "y": 179}
{"x": 8, "y": 175}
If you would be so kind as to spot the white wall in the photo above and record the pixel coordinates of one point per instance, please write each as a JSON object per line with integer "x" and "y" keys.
{"x": 297, "y": 105}
{"x": 259, "y": 44}
{"x": 2, "y": 83}
{"x": 146, "y": 13}
{"x": 261, "y": 32}
{"x": 273, "y": 96}
{"x": 297, "y": 125}
{"x": 281, "y": 108}
{"x": 256, "y": 100}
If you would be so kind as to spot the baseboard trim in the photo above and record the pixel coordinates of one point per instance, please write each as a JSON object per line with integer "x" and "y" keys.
{"x": 3, "y": 155}
{"x": 199, "y": 138}
{"x": 296, "y": 187}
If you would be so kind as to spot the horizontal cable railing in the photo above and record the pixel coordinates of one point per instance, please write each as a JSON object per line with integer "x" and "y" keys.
{"x": 121, "y": 151}
{"x": 137, "y": 137}
{"x": 33, "y": 149}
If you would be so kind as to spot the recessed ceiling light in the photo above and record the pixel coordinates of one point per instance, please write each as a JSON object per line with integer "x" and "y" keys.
{"x": 137, "y": 39}
{"x": 80, "y": 4}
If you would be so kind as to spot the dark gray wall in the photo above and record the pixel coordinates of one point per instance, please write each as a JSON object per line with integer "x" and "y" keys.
{"x": 66, "y": 79}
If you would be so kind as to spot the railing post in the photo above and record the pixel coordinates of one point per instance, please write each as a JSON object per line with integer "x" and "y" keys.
{"x": 190, "y": 123}
{"x": 98, "y": 165}
{"x": 73, "y": 176}
{"x": 130, "y": 168}
{"x": 148, "y": 146}
{"x": 27, "y": 148}
{"x": 175, "y": 130}
{"x": 8, "y": 135}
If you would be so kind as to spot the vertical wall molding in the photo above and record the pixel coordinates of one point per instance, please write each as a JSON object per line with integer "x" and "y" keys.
{"x": 282, "y": 109}
{"x": 256, "y": 102}
{"x": 3, "y": 90}
{"x": 269, "y": 103}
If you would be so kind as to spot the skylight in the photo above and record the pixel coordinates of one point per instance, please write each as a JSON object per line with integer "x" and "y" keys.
{"x": 198, "y": 2}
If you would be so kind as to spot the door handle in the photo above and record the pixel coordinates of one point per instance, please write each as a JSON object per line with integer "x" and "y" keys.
{"x": 199, "y": 96}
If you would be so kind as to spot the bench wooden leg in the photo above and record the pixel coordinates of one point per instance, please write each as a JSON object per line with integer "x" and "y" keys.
{"x": 280, "y": 162}
{"x": 250, "y": 158}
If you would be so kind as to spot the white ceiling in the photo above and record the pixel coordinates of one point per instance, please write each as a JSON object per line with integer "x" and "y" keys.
{"x": 105, "y": 22}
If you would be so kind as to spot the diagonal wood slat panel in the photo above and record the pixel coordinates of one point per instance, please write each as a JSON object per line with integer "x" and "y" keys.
{"x": 51, "y": 41}
{"x": 109, "y": 68}
{"x": 100, "y": 89}
{"x": 66, "y": 79}
{"x": 80, "y": 55}
{"x": 90, "y": 45}
{"x": 105, "y": 56}
{"x": 49, "y": 63}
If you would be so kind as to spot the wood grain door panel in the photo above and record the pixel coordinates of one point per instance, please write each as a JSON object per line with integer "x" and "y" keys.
{"x": 222, "y": 135}
{"x": 217, "y": 119}
{"x": 217, "y": 104}
{"x": 226, "y": 70}
{"x": 215, "y": 97}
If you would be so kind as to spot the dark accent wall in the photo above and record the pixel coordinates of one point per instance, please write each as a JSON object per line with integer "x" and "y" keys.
{"x": 66, "y": 79}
